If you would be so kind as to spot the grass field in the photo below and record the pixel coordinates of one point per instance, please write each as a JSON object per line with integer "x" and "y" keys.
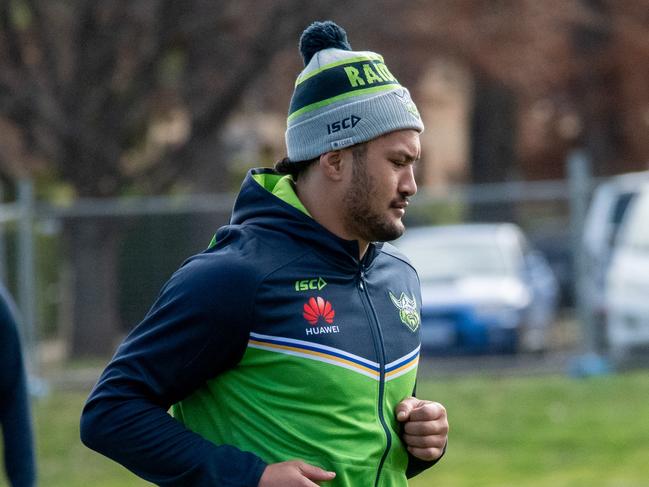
{"x": 519, "y": 432}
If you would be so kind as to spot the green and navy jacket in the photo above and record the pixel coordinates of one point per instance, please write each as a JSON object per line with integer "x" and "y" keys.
{"x": 276, "y": 343}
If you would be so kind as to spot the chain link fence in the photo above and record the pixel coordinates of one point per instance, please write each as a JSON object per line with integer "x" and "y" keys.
{"x": 129, "y": 247}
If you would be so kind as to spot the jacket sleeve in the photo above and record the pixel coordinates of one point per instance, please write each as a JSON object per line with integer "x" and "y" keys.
{"x": 197, "y": 328}
{"x": 416, "y": 465}
{"x": 15, "y": 418}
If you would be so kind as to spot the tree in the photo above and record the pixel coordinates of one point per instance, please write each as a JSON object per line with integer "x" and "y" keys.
{"x": 577, "y": 70}
{"x": 126, "y": 96}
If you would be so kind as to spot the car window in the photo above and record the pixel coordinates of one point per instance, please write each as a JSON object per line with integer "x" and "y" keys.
{"x": 619, "y": 210}
{"x": 620, "y": 207}
{"x": 635, "y": 230}
{"x": 439, "y": 260}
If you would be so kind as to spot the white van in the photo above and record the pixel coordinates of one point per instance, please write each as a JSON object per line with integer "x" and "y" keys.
{"x": 606, "y": 211}
{"x": 627, "y": 291}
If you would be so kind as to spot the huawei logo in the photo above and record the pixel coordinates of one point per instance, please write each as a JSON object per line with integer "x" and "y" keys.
{"x": 316, "y": 308}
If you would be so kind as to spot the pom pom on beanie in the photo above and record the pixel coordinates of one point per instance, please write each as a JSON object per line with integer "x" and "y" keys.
{"x": 322, "y": 35}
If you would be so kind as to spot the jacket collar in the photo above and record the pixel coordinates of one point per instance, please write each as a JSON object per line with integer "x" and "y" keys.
{"x": 268, "y": 200}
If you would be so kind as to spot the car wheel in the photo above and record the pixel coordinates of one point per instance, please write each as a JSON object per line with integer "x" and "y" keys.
{"x": 618, "y": 354}
{"x": 533, "y": 340}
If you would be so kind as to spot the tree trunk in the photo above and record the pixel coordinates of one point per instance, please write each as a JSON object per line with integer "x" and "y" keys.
{"x": 93, "y": 249}
{"x": 492, "y": 144}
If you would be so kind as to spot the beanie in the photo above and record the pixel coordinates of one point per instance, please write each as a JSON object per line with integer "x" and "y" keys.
{"x": 343, "y": 97}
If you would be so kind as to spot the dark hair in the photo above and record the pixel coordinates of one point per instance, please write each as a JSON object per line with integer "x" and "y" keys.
{"x": 286, "y": 166}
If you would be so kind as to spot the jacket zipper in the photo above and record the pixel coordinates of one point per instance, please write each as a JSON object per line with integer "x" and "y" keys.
{"x": 380, "y": 347}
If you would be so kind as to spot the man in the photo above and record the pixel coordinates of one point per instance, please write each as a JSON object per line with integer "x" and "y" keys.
{"x": 288, "y": 350}
{"x": 15, "y": 418}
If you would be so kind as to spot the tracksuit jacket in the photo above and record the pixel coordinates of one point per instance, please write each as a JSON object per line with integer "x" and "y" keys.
{"x": 15, "y": 417}
{"x": 276, "y": 343}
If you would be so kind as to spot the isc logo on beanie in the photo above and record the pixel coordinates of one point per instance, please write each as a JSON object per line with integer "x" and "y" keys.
{"x": 345, "y": 123}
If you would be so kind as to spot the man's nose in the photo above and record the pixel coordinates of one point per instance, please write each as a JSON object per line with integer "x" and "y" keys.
{"x": 407, "y": 184}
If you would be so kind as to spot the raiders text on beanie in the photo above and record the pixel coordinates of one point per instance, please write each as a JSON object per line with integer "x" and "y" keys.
{"x": 343, "y": 97}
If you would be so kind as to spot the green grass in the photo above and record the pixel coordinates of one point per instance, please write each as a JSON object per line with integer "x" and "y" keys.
{"x": 550, "y": 432}
{"x": 519, "y": 432}
{"x": 62, "y": 459}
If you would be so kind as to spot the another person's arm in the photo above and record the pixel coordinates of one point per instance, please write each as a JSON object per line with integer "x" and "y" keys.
{"x": 15, "y": 418}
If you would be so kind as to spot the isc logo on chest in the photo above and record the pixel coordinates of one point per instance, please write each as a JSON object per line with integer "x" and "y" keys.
{"x": 310, "y": 284}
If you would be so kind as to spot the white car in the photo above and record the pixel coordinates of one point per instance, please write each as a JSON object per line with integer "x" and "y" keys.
{"x": 483, "y": 288}
{"x": 608, "y": 207}
{"x": 627, "y": 289}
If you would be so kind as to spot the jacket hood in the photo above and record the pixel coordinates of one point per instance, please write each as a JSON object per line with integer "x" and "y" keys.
{"x": 267, "y": 201}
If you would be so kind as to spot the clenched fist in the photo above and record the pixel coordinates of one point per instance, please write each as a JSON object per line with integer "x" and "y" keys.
{"x": 425, "y": 428}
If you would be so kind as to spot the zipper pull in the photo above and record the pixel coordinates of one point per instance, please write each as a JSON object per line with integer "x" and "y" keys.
{"x": 361, "y": 280}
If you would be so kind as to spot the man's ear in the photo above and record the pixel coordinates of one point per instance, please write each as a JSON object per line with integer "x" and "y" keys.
{"x": 332, "y": 164}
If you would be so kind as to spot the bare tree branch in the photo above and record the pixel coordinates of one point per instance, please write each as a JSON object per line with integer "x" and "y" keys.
{"x": 281, "y": 27}
{"x": 46, "y": 46}
{"x": 14, "y": 55}
{"x": 143, "y": 77}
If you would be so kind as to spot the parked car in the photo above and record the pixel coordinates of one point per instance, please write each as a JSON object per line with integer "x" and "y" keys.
{"x": 608, "y": 207}
{"x": 555, "y": 243}
{"x": 627, "y": 290}
{"x": 484, "y": 289}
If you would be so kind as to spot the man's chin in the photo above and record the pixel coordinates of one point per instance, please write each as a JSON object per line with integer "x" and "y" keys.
{"x": 392, "y": 232}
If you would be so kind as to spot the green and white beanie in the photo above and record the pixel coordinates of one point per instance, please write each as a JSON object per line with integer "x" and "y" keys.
{"x": 343, "y": 97}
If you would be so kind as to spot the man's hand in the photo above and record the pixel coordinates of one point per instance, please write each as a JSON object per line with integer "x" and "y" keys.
{"x": 426, "y": 427}
{"x": 293, "y": 474}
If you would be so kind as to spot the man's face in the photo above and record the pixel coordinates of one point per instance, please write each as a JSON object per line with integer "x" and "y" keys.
{"x": 382, "y": 180}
